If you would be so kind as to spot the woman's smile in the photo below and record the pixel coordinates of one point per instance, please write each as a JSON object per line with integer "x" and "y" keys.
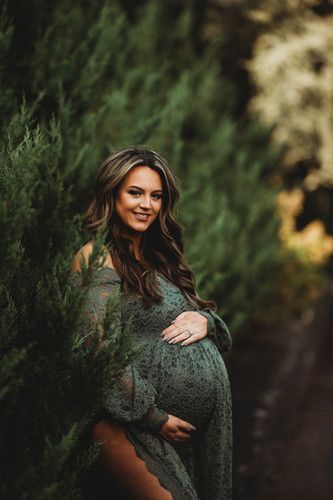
{"x": 141, "y": 216}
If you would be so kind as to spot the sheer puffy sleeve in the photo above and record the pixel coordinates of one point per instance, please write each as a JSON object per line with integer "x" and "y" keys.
{"x": 218, "y": 330}
{"x": 131, "y": 398}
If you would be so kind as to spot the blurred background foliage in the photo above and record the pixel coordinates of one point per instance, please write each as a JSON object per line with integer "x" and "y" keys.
{"x": 235, "y": 95}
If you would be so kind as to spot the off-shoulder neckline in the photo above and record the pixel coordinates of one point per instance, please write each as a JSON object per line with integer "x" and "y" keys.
{"x": 105, "y": 268}
{"x": 113, "y": 271}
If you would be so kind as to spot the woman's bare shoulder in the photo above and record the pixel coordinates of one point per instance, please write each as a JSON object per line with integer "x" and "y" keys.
{"x": 85, "y": 252}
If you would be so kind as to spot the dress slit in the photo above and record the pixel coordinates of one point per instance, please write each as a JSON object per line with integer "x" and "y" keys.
{"x": 122, "y": 463}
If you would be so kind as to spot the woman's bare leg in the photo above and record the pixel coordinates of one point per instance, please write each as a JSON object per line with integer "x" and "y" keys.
{"x": 120, "y": 461}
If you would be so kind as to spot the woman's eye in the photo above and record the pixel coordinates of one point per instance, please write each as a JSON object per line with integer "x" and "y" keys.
{"x": 156, "y": 196}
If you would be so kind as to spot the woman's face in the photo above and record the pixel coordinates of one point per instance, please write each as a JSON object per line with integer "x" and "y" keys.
{"x": 139, "y": 198}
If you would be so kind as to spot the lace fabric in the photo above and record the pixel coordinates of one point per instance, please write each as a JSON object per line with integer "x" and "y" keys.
{"x": 218, "y": 331}
{"x": 131, "y": 398}
{"x": 190, "y": 382}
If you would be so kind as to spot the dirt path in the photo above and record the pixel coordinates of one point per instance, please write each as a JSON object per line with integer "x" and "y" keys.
{"x": 306, "y": 469}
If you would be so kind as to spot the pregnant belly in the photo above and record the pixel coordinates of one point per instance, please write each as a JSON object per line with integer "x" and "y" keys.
{"x": 186, "y": 378}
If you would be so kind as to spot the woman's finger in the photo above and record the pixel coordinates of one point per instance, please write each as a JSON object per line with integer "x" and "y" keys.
{"x": 178, "y": 331}
{"x": 182, "y": 437}
{"x": 182, "y": 329}
{"x": 175, "y": 327}
{"x": 179, "y": 435}
{"x": 190, "y": 340}
{"x": 183, "y": 318}
{"x": 182, "y": 424}
{"x": 181, "y": 336}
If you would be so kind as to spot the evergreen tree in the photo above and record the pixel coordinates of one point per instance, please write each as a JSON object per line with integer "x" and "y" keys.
{"x": 114, "y": 81}
{"x": 50, "y": 385}
{"x": 91, "y": 78}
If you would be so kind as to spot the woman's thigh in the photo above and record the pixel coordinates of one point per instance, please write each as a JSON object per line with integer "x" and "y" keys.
{"x": 121, "y": 463}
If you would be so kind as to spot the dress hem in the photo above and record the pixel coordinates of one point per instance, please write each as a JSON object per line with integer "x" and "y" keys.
{"x": 148, "y": 466}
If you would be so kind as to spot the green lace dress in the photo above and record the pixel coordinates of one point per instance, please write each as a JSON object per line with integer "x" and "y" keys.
{"x": 190, "y": 382}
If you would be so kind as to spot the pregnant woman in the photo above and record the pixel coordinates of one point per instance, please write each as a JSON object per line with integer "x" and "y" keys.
{"x": 167, "y": 428}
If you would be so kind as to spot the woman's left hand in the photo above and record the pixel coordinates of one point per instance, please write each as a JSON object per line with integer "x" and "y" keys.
{"x": 185, "y": 323}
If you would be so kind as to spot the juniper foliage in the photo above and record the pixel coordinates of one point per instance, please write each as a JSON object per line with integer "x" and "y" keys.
{"x": 80, "y": 81}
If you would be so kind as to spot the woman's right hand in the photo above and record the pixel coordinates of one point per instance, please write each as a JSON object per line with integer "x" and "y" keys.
{"x": 176, "y": 429}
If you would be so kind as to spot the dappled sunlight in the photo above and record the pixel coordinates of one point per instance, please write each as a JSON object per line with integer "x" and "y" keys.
{"x": 312, "y": 244}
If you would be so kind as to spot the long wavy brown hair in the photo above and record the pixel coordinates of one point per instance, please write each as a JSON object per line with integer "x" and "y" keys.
{"x": 162, "y": 243}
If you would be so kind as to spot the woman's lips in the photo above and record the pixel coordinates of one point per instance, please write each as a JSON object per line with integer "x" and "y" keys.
{"x": 142, "y": 217}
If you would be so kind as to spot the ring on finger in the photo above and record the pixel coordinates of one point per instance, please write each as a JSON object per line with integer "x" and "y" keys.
{"x": 190, "y": 332}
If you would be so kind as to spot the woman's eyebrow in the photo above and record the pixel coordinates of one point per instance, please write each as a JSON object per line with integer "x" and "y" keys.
{"x": 137, "y": 187}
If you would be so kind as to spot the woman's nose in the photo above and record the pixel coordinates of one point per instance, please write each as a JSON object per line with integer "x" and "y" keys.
{"x": 145, "y": 202}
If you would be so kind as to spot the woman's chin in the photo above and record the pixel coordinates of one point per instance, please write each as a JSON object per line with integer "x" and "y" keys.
{"x": 139, "y": 226}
